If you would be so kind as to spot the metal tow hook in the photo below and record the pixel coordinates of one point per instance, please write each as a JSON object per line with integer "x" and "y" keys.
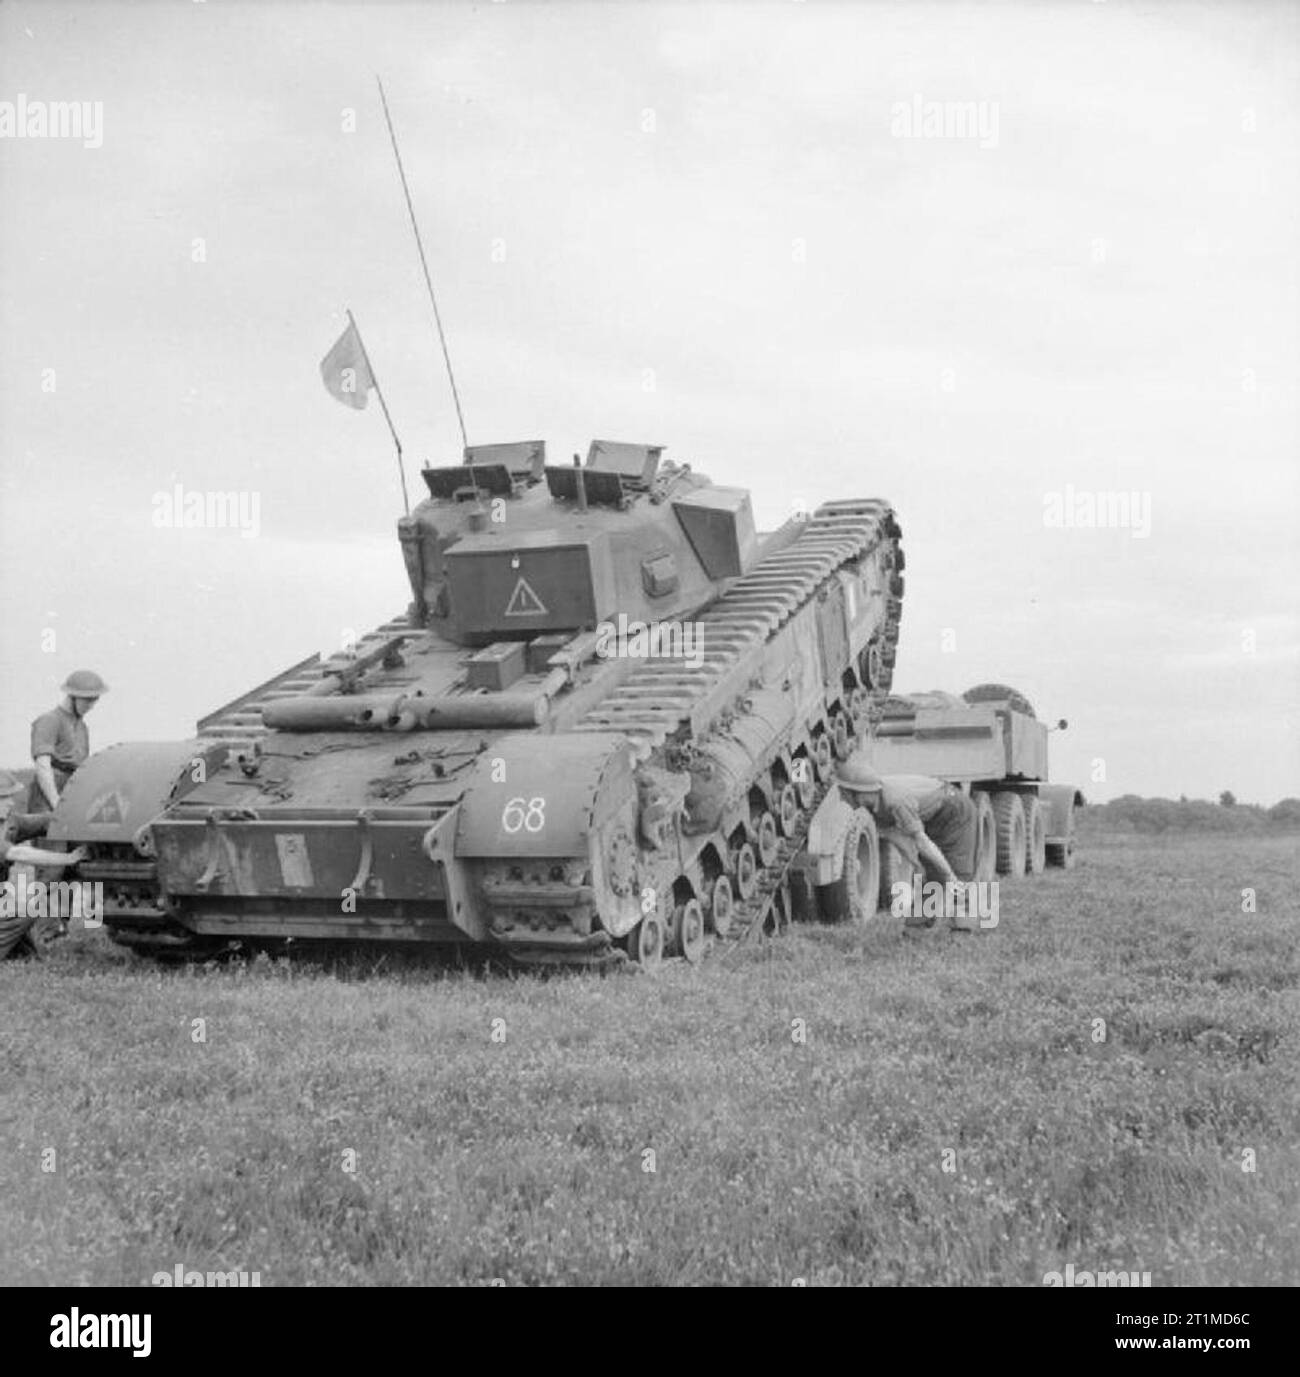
{"x": 362, "y": 882}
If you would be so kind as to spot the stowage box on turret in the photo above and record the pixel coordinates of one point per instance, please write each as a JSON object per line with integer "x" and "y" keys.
{"x": 600, "y": 730}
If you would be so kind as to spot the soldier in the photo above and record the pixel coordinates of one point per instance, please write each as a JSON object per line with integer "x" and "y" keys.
{"x": 60, "y": 742}
{"x": 16, "y": 927}
{"x": 938, "y": 817}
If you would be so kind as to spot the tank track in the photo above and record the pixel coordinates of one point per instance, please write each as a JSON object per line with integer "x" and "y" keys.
{"x": 652, "y": 702}
{"x": 657, "y": 699}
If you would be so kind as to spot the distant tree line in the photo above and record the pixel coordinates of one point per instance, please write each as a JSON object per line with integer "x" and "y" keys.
{"x": 1130, "y": 813}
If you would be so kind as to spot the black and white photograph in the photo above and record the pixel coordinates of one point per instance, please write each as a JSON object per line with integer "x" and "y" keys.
{"x": 650, "y": 645}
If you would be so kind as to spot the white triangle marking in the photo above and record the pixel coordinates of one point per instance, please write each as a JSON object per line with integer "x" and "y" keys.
{"x": 524, "y": 602}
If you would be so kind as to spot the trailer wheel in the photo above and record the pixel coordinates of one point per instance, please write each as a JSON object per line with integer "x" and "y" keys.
{"x": 895, "y": 869}
{"x": 1009, "y": 813}
{"x": 855, "y": 893}
{"x": 986, "y": 839}
{"x": 1061, "y": 854}
{"x": 1035, "y": 835}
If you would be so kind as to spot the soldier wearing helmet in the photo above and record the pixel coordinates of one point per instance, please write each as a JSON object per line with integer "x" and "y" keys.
{"x": 15, "y": 926}
{"x": 60, "y": 742}
{"x": 938, "y": 817}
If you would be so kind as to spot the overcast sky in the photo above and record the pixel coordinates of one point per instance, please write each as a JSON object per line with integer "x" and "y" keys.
{"x": 702, "y": 227}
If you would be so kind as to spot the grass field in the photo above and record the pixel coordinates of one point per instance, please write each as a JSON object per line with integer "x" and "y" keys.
{"x": 526, "y": 1158}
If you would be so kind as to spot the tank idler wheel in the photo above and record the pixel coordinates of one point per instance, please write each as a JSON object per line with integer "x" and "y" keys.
{"x": 1035, "y": 835}
{"x": 823, "y": 757}
{"x": 766, "y": 840}
{"x": 1010, "y": 815}
{"x": 842, "y": 735}
{"x": 746, "y": 868}
{"x": 805, "y": 782}
{"x": 986, "y": 838}
{"x": 690, "y": 929}
{"x": 721, "y": 908}
{"x": 645, "y": 943}
{"x": 787, "y": 809}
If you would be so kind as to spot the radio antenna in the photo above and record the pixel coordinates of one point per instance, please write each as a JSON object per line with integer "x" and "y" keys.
{"x": 428, "y": 281}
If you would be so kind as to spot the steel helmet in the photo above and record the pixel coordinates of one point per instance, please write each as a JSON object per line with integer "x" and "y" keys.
{"x": 10, "y": 784}
{"x": 84, "y": 683}
{"x": 855, "y": 773}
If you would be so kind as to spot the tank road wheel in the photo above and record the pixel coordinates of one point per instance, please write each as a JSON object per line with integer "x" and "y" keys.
{"x": 720, "y": 906}
{"x": 1035, "y": 835}
{"x": 746, "y": 868}
{"x": 645, "y": 943}
{"x": 766, "y": 839}
{"x": 872, "y": 665}
{"x": 1010, "y": 815}
{"x": 986, "y": 838}
{"x": 787, "y": 809}
{"x": 690, "y": 929}
{"x": 823, "y": 757}
{"x": 856, "y": 893}
{"x": 842, "y": 736}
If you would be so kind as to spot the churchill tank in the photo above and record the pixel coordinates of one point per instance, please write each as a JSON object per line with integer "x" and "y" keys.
{"x": 597, "y": 734}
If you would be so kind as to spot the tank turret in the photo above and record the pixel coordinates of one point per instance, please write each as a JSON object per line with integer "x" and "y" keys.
{"x": 507, "y": 546}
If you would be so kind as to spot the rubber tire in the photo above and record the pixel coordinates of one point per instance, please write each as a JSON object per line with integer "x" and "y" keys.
{"x": 853, "y": 895}
{"x": 986, "y": 838}
{"x": 999, "y": 693}
{"x": 895, "y": 868}
{"x": 1035, "y": 834}
{"x": 1009, "y": 814}
{"x": 1061, "y": 854}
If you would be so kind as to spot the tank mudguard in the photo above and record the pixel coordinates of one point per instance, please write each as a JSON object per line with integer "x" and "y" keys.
{"x": 120, "y": 790}
{"x": 536, "y": 795}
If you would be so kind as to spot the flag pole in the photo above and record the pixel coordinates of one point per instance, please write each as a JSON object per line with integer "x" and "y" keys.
{"x": 379, "y": 392}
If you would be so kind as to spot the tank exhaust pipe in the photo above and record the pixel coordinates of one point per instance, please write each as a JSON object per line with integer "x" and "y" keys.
{"x": 406, "y": 713}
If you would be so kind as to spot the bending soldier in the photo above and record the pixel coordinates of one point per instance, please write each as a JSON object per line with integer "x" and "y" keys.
{"x": 939, "y": 818}
{"x": 16, "y": 926}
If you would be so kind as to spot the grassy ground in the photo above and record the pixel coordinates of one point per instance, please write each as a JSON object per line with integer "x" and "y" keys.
{"x": 526, "y": 1159}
